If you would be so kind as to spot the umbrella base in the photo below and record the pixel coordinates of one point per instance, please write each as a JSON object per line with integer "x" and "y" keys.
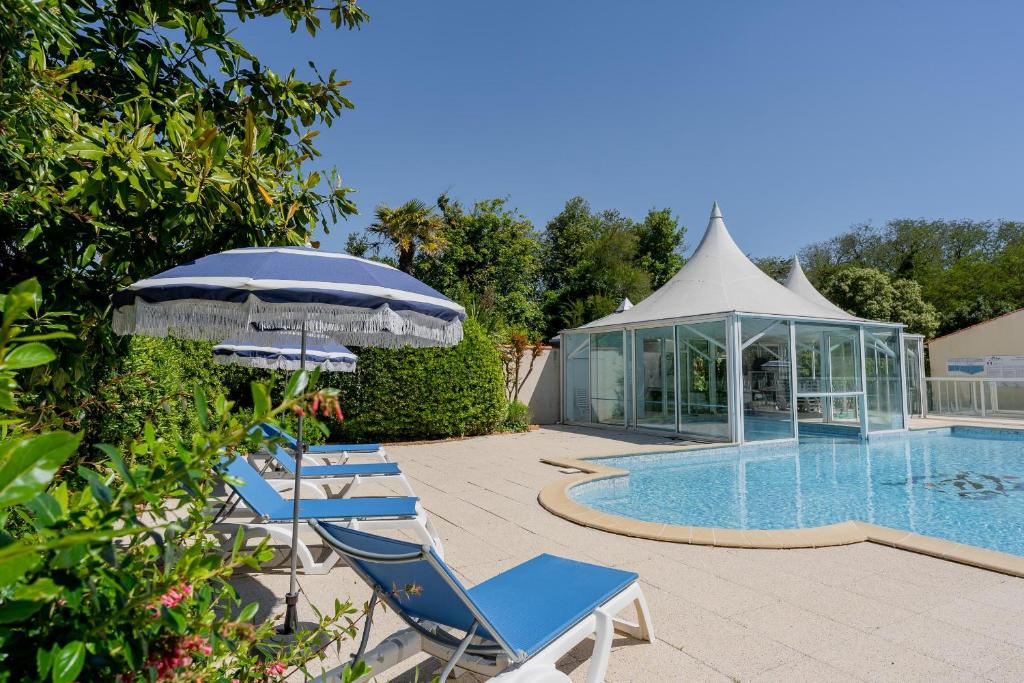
{"x": 291, "y": 615}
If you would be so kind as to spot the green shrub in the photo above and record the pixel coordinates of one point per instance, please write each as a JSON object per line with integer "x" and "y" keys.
{"x": 517, "y": 419}
{"x": 124, "y": 579}
{"x": 402, "y": 394}
{"x": 154, "y": 381}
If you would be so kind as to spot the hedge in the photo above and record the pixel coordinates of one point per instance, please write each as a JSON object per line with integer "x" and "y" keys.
{"x": 395, "y": 395}
{"x": 155, "y": 380}
{"x": 403, "y": 394}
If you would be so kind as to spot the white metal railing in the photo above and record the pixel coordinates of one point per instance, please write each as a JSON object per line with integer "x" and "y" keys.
{"x": 975, "y": 396}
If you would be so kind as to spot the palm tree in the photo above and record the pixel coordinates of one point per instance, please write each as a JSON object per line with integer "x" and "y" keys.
{"x": 410, "y": 227}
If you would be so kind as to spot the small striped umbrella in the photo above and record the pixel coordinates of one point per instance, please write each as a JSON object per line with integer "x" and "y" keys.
{"x": 280, "y": 351}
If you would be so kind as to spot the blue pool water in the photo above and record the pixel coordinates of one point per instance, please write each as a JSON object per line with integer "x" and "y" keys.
{"x": 964, "y": 485}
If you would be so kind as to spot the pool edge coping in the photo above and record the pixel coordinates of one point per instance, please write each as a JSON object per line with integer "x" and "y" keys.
{"x": 555, "y": 499}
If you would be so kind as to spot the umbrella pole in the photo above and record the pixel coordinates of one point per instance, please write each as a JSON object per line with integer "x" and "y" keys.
{"x": 291, "y": 599}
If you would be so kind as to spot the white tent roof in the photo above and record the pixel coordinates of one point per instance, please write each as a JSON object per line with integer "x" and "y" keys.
{"x": 719, "y": 278}
{"x": 798, "y": 283}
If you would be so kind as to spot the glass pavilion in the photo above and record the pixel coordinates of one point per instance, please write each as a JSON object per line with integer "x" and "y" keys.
{"x": 722, "y": 352}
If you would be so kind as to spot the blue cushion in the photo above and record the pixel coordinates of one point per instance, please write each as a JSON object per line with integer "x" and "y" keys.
{"x": 535, "y": 602}
{"x": 362, "y": 469}
{"x": 267, "y": 502}
{"x": 345, "y": 508}
{"x": 350, "y": 447}
{"x": 260, "y": 496}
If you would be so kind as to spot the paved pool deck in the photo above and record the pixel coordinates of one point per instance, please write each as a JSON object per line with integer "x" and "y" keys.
{"x": 855, "y": 612}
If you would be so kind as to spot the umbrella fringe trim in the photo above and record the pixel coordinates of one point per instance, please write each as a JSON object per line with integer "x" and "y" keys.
{"x": 283, "y": 363}
{"x": 214, "y": 321}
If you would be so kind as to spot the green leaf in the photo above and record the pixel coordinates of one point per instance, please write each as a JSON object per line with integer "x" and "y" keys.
{"x": 260, "y": 398}
{"x": 250, "y": 135}
{"x": 248, "y": 612}
{"x": 24, "y": 297}
{"x": 117, "y": 461}
{"x": 87, "y": 255}
{"x": 46, "y": 509}
{"x": 30, "y": 236}
{"x": 13, "y": 611}
{"x": 159, "y": 171}
{"x": 296, "y": 383}
{"x": 202, "y": 410}
{"x": 85, "y": 150}
{"x": 44, "y": 658}
{"x": 100, "y": 491}
{"x": 12, "y": 570}
{"x": 29, "y": 356}
{"x": 40, "y": 590}
{"x": 67, "y": 664}
{"x": 30, "y": 463}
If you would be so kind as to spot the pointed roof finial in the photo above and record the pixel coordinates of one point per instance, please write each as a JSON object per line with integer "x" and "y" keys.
{"x": 715, "y": 211}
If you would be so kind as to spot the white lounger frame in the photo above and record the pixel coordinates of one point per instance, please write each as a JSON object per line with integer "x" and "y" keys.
{"x": 281, "y": 532}
{"x": 341, "y": 457}
{"x": 350, "y": 482}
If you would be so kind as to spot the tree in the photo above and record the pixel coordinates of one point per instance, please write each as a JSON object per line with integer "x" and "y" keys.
{"x": 490, "y": 263}
{"x": 660, "y": 245}
{"x": 135, "y": 136}
{"x": 411, "y": 227}
{"x": 592, "y": 261}
{"x": 870, "y": 293}
{"x": 966, "y": 269}
{"x": 776, "y": 267}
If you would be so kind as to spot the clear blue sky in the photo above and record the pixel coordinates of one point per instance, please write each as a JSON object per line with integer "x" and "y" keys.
{"x": 800, "y": 118}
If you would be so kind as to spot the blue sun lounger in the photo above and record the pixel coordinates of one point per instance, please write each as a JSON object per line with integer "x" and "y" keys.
{"x": 351, "y": 475}
{"x": 272, "y": 513}
{"x": 514, "y": 626}
{"x": 341, "y": 450}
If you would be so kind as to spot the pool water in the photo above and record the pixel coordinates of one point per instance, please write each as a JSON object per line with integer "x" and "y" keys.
{"x": 964, "y": 484}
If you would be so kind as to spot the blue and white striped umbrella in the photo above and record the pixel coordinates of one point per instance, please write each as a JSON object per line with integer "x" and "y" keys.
{"x": 279, "y": 351}
{"x": 293, "y": 289}
{"x": 337, "y": 296}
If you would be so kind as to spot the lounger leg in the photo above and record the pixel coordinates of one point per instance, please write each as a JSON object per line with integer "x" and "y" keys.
{"x": 351, "y": 486}
{"x": 643, "y": 615}
{"x": 644, "y": 628}
{"x": 603, "y": 634}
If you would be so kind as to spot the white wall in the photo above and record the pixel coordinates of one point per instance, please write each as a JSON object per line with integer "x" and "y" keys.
{"x": 541, "y": 391}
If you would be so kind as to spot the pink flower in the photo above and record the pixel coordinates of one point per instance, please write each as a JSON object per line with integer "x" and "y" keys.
{"x": 275, "y": 669}
{"x": 173, "y": 597}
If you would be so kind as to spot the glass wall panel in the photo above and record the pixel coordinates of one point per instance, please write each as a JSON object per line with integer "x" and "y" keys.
{"x": 607, "y": 378}
{"x": 703, "y": 380}
{"x": 827, "y": 362}
{"x": 767, "y": 391}
{"x": 576, "y": 396}
{"x": 655, "y": 378}
{"x": 882, "y": 372}
{"x": 912, "y": 353}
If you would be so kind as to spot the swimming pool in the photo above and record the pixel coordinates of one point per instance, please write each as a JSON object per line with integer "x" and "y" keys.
{"x": 962, "y": 484}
